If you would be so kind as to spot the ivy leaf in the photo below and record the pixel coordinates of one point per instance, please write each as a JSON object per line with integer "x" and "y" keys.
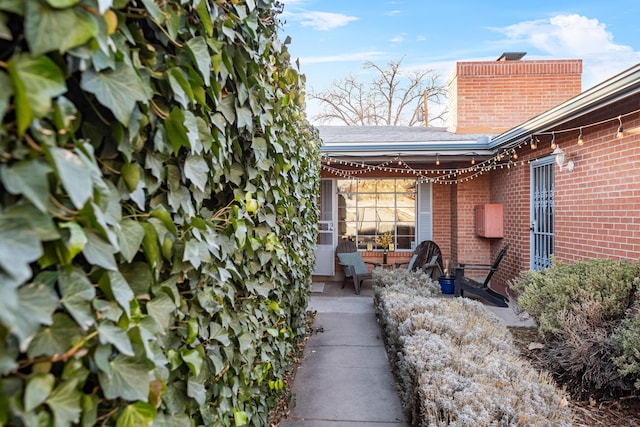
{"x": 193, "y": 359}
{"x": 199, "y": 51}
{"x": 7, "y": 91}
{"x": 115, "y": 286}
{"x": 113, "y": 334}
{"x": 245, "y": 118}
{"x": 59, "y": 4}
{"x": 161, "y": 309}
{"x": 205, "y": 17}
{"x": 128, "y": 378}
{"x": 56, "y": 339}
{"x": 246, "y": 341}
{"x": 176, "y": 131}
{"x": 64, "y": 402}
{"x": 48, "y": 29}
{"x": 130, "y": 235}
{"x": 196, "y": 391}
{"x": 74, "y": 174}
{"x": 218, "y": 333}
{"x": 180, "y": 85}
{"x": 99, "y": 252}
{"x": 29, "y": 178}
{"x": 8, "y": 359}
{"x": 19, "y": 246}
{"x": 34, "y": 307}
{"x": 77, "y": 292}
{"x": 137, "y": 414}
{"x": 226, "y": 106}
{"x": 35, "y": 82}
{"x": 196, "y": 169}
{"x": 118, "y": 89}
{"x": 76, "y": 240}
{"x": 38, "y": 388}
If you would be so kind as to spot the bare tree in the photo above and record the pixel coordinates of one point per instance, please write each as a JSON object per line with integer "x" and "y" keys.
{"x": 391, "y": 98}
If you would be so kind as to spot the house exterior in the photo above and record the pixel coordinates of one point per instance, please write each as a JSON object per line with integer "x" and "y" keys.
{"x": 497, "y": 165}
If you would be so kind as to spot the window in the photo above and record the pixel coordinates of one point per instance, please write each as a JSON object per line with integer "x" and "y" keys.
{"x": 371, "y": 207}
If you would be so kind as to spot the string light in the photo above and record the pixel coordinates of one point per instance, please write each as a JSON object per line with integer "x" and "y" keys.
{"x": 580, "y": 138}
{"x": 620, "y": 132}
{"x": 454, "y": 176}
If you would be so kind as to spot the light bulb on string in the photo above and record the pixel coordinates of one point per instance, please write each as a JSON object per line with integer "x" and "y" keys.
{"x": 580, "y": 138}
{"x": 620, "y": 132}
{"x": 553, "y": 141}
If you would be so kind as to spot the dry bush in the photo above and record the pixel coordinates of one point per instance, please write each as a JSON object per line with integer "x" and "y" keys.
{"x": 583, "y": 352}
{"x": 581, "y": 310}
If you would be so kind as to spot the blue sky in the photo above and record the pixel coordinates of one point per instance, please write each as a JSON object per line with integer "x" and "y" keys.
{"x": 333, "y": 38}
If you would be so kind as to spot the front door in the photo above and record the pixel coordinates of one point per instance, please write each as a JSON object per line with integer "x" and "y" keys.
{"x": 542, "y": 213}
{"x": 326, "y": 241}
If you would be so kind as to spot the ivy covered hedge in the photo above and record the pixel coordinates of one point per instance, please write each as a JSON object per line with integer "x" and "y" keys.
{"x": 158, "y": 212}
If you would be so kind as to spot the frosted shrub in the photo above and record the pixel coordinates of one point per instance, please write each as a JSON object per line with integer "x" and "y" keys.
{"x": 409, "y": 281}
{"x": 457, "y": 366}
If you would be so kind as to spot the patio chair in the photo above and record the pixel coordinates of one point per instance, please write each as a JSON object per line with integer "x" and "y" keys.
{"x": 427, "y": 257}
{"x": 355, "y": 268}
{"x": 465, "y": 285}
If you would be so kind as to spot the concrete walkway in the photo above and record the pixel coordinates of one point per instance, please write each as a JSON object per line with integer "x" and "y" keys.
{"x": 344, "y": 379}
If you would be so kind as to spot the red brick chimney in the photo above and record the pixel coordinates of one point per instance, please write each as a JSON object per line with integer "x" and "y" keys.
{"x": 492, "y": 97}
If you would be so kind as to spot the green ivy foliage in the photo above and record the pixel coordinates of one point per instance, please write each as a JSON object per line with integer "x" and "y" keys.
{"x": 158, "y": 185}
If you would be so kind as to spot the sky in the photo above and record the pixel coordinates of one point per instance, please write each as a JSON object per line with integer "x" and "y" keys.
{"x": 332, "y": 39}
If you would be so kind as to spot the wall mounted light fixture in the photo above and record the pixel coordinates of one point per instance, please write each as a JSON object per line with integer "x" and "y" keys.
{"x": 562, "y": 159}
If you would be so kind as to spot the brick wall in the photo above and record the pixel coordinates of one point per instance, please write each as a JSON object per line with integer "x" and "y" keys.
{"x": 492, "y": 97}
{"x": 442, "y": 218}
{"x": 597, "y": 205}
{"x": 470, "y": 248}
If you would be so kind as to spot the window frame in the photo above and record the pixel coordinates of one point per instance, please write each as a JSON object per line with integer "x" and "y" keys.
{"x": 351, "y": 218}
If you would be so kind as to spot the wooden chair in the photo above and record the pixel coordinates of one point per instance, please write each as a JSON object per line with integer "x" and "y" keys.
{"x": 427, "y": 257}
{"x": 354, "y": 266}
{"x": 465, "y": 285}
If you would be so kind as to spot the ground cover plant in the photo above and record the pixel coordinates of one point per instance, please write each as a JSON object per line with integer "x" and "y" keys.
{"x": 587, "y": 314}
{"x": 456, "y": 363}
{"x": 158, "y": 186}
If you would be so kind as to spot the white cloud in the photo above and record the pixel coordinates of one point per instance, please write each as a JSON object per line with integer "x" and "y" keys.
{"x": 421, "y": 39}
{"x": 398, "y": 39}
{"x": 393, "y": 13}
{"x": 322, "y": 21}
{"x": 575, "y": 36}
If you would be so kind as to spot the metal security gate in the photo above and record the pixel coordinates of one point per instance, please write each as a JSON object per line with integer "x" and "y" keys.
{"x": 542, "y": 213}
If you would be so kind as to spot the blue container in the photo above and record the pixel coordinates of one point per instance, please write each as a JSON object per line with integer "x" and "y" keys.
{"x": 447, "y": 284}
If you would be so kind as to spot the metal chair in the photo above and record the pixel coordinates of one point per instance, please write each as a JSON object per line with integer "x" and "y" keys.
{"x": 354, "y": 266}
{"x": 464, "y": 285}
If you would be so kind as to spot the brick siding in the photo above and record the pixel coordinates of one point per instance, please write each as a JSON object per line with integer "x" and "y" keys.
{"x": 492, "y": 97}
